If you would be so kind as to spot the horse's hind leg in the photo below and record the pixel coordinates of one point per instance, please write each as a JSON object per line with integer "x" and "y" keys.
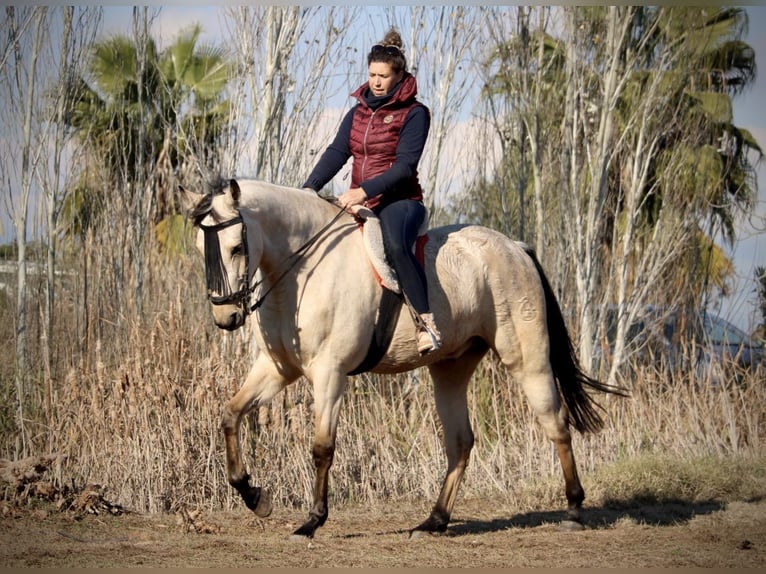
{"x": 542, "y": 395}
{"x": 450, "y": 380}
{"x": 261, "y": 384}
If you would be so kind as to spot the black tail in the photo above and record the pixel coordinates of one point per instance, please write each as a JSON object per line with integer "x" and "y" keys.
{"x": 572, "y": 381}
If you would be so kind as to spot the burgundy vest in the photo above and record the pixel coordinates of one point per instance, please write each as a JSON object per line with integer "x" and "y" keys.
{"x": 374, "y": 137}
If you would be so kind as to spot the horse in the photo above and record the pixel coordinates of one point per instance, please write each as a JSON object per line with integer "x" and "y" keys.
{"x": 319, "y": 315}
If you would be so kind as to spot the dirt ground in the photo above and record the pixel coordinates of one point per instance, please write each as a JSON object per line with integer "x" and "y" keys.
{"x": 483, "y": 534}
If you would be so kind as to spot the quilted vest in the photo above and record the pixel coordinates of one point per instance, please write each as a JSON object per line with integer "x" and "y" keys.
{"x": 374, "y": 137}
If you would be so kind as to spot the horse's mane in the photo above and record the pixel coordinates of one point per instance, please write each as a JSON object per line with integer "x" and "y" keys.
{"x": 302, "y": 201}
{"x": 217, "y": 185}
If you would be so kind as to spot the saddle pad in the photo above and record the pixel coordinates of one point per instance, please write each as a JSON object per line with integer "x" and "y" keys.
{"x": 373, "y": 243}
{"x": 369, "y": 224}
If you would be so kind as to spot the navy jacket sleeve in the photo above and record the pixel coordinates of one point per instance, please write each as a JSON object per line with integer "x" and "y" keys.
{"x": 412, "y": 140}
{"x": 334, "y": 157}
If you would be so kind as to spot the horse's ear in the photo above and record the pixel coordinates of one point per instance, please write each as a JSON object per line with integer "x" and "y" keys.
{"x": 189, "y": 199}
{"x": 235, "y": 191}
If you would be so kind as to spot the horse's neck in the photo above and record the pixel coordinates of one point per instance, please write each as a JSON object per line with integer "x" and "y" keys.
{"x": 287, "y": 217}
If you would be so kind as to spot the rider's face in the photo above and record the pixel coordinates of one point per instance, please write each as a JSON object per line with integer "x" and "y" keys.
{"x": 382, "y": 78}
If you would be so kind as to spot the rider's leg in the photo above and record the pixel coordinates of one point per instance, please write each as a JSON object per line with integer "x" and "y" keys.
{"x": 400, "y": 222}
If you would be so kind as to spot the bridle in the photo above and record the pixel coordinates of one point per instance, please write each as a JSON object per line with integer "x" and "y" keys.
{"x": 217, "y": 281}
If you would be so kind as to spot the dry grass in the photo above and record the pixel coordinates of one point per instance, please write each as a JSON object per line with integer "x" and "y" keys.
{"x": 139, "y": 414}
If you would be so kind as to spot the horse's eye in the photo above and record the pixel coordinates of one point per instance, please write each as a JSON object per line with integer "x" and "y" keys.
{"x": 237, "y": 250}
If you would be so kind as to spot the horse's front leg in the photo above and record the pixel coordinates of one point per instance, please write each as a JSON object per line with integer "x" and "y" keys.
{"x": 328, "y": 394}
{"x": 261, "y": 384}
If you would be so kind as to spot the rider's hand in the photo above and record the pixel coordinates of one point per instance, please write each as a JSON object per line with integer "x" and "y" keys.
{"x": 352, "y": 197}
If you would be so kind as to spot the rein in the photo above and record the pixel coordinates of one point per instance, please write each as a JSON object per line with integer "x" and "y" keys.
{"x": 294, "y": 259}
{"x": 241, "y": 296}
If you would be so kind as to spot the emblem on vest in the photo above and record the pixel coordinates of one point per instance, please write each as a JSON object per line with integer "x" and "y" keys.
{"x": 388, "y": 119}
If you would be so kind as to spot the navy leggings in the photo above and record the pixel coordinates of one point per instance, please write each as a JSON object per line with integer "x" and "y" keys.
{"x": 400, "y": 222}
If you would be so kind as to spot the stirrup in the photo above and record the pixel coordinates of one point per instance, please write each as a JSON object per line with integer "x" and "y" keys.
{"x": 427, "y": 342}
{"x": 428, "y": 336}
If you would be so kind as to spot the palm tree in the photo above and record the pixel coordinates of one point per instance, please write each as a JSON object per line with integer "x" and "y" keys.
{"x": 181, "y": 112}
{"x": 194, "y": 113}
{"x": 704, "y": 153}
{"x": 143, "y": 116}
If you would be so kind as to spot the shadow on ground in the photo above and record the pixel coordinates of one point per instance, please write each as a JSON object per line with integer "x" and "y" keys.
{"x": 642, "y": 510}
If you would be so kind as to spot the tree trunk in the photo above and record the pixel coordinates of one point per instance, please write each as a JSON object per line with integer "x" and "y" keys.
{"x": 51, "y": 196}
{"x": 20, "y": 215}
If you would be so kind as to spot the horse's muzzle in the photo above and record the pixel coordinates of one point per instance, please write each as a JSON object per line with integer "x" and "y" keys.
{"x": 228, "y": 317}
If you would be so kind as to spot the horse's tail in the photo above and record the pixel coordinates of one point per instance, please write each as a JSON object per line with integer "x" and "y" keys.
{"x": 572, "y": 381}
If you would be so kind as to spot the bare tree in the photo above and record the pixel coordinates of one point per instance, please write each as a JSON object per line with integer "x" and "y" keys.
{"x": 636, "y": 273}
{"x": 20, "y": 84}
{"x": 589, "y": 128}
{"x": 14, "y": 26}
{"x": 63, "y": 60}
{"x": 44, "y": 45}
{"x": 638, "y": 164}
{"x": 441, "y": 41}
{"x": 291, "y": 61}
{"x": 593, "y": 110}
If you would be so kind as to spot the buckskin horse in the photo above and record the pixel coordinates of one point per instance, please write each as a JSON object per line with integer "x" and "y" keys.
{"x": 321, "y": 313}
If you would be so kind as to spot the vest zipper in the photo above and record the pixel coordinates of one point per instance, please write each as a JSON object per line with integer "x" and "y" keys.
{"x": 364, "y": 145}
{"x": 364, "y": 142}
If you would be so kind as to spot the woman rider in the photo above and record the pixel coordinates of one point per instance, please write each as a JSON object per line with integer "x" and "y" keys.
{"x": 385, "y": 132}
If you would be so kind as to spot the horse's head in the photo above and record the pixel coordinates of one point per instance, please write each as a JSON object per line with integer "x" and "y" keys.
{"x": 222, "y": 239}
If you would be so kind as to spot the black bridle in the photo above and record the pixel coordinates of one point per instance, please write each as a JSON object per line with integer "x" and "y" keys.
{"x": 216, "y": 277}
{"x": 215, "y": 273}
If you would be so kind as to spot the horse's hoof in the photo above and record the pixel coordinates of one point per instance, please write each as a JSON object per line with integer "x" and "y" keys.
{"x": 307, "y": 530}
{"x": 571, "y": 526}
{"x": 433, "y": 526}
{"x": 263, "y": 507}
{"x": 295, "y": 537}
